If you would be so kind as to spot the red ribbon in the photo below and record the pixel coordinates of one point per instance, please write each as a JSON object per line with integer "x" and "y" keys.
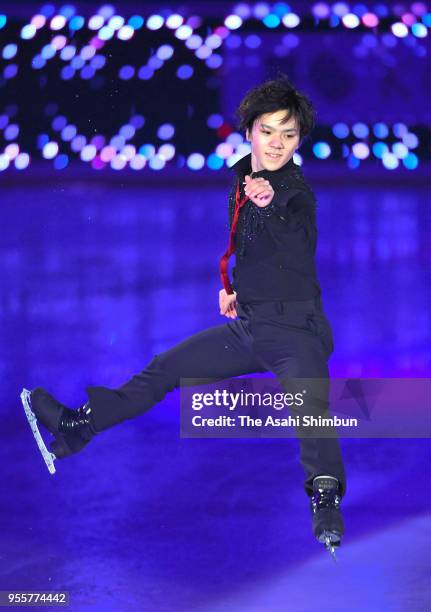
{"x": 224, "y": 274}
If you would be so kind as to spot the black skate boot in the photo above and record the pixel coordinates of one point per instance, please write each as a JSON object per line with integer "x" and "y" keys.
{"x": 72, "y": 429}
{"x": 328, "y": 526}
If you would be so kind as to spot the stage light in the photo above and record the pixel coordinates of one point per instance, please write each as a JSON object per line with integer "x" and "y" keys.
{"x": 340, "y": 130}
{"x": 116, "y": 22}
{"x": 419, "y": 30}
{"x": 350, "y": 21}
{"x": 87, "y": 73}
{"x": 138, "y": 162}
{"x": 360, "y": 150}
{"x": 9, "y": 51}
{"x": 98, "y": 141}
{"x": 76, "y": 23}
{"x": 340, "y": 9}
{"x": 145, "y": 73}
{"x": 203, "y": 52}
{"x": 380, "y": 130}
{"x": 127, "y": 131}
{"x": 155, "y": 63}
{"x": 370, "y": 20}
{"x": 222, "y": 32}
{"x": 195, "y": 161}
{"x": 67, "y": 73}
{"x": 243, "y": 148}
{"x": 233, "y": 22}
{"x": 260, "y": 10}
{"x": 11, "y": 132}
{"x": 107, "y": 153}
{"x": 42, "y": 139}
{"x": 22, "y": 161}
{"x": 87, "y": 52}
{"x": 183, "y": 32}
{"x": 58, "y": 42}
{"x": 194, "y": 41}
{"x": 174, "y": 21}
{"x": 98, "y": 62}
{"x": 107, "y": 11}
{"x": 291, "y": 40}
{"x": 400, "y": 30}
{"x": 390, "y": 161}
{"x": 235, "y": 139}
{"x": 427, "y": 19}
{"x": 411, "y": 161}
{"x": 58, "y": 123}
{"x": 410, "y": 140}
{"x": 185, "y": 72}
{"x": 147, "y": 150}
{"x": 3, "y": 21}
{"x": 128, "y": 151}
{"x": 157, "y": 163}
{"x": 379, "y": 149}
{"x": 165, "y": 52}
{"x": 353, "y": 162}
{"x": 48, "y": 52}
{"x": 61, "y": 162}
{"x": 106, "y": 33}
{"x": 77, "y": 63}
{"x": 224, "y": 150}
{"x": 243, "y": 10}
{"x": 166, "y": 151}
{"x": 50, "y": 150}
{"x": 233, "y": 42}
{"x": 400, "y": 150}
{"x": 214, "y": 121}
{"x": 155, "y": 22}
{"x": 297, "y": 158}
{"x": 214, "y": 162}
{"x": 126, "y": 73}
{"x": 4, "y": 120}
{"x": 118, "y": 162}
{"x": 321, "y": 10}
{"x": 88, "y": 153}
{"x": 95, "y": 22}
{"x": 214, "y": 62}
{"x": 399, "y": 129}
{"x": 321, "y": 150}
{"x": 271, "y": 20}
{"x": 78, "y": 143}
{"x": 138, "y": 121}
{"x": 125, "y": 33}
{"x": 4, "y": 162}
{"x": 58, "y": 22}
{"x": 166, "y": 131}
{"x": 291, "y": 20}
{"x": 12, "y": 150}
{"x": 136, "y": 22}
{"x": 28, "y": 31}
{"x": 118, "y": 142}
{"x": 409, "y": 19}
{"x": 253, "y": 41}
{"x": 68, "y": 10}
{"x": 360, "y": 130}
{"x": 213, "y": 41}
{"x": 10, "y": 71}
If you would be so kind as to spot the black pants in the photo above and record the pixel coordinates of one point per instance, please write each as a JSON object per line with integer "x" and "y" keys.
{"x": 290, "y": 339}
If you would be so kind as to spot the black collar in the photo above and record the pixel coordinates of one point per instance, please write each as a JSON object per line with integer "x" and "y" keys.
{"x": 243, "y": 167}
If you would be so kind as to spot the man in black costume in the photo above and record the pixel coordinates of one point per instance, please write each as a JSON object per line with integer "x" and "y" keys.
{"x": 277, "y": 322}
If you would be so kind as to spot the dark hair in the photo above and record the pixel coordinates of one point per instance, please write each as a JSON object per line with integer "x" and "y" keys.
{"x": 276, "y": 95}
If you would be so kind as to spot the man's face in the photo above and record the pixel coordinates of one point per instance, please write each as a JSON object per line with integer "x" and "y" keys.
{"x": 272, "y": 143}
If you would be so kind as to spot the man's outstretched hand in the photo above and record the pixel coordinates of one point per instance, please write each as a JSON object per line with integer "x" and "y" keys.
{"x": 227, "y": 304}
{"x": 259, "y": 190}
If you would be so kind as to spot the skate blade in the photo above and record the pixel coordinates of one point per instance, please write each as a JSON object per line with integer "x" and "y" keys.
{"x": 331, "y": 542}
{"x": 48, "y": 457}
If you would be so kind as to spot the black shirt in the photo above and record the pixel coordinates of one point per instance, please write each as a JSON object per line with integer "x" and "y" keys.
{"x": 275, "y": 245}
